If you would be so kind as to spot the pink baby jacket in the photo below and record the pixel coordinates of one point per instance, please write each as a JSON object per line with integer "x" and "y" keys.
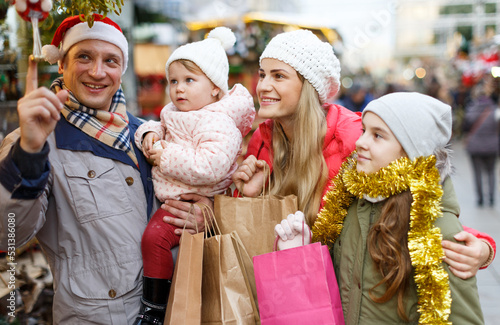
{"x": 201, "y": 146}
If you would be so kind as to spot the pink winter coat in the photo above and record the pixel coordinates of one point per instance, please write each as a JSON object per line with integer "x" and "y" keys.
{"x": 202, "y": 146}
{"x": 343, "y": 129}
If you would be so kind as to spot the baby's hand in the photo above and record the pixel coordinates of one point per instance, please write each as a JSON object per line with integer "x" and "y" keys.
{"x": 293, "y": 231}
{"x": 156, "y": 152}
{"x": 148, "y": 141}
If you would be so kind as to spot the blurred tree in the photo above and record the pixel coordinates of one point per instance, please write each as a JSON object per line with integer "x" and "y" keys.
{"x": 145, "y": 16}
{"x": 3, "y": 9}
{"x": 89, "y": 7}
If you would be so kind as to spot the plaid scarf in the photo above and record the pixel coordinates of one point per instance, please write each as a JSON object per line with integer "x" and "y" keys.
{"x": 109, "y": 127}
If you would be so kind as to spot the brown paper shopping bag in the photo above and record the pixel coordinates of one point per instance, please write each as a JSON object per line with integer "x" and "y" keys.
{"x": 184, "y": 303}
{"x": 253, "y": 218}
{"x": 248, "y": 272}
{"x": 226, "y": 293}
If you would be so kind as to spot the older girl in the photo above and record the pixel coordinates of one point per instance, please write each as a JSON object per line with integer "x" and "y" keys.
{"x": 391, "y": 204}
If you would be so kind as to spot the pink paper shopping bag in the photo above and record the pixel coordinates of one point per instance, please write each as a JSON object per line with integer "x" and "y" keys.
{"x": 298, "y": 286}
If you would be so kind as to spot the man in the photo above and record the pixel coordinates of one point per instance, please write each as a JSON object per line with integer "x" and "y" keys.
{"x": 71, "y": 176}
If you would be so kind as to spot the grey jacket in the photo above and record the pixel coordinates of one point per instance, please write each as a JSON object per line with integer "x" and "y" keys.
{"x": 88, "y": 212}
{"x": 356, "y": 273}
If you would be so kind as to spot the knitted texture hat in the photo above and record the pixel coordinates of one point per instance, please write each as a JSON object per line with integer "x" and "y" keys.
{"x": 310, "y": 57}
{"x": 73, "y": 30}
{"x": 209, "y": 55}
{"x": 421, "y": 123}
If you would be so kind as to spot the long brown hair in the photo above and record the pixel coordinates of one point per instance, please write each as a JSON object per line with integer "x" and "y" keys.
{"x": 299, "y": 165}
{"x": 388, "y": 246}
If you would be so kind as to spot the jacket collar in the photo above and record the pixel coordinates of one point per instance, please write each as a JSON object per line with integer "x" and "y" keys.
{"x": 331, "y": 123}
{"x": 266, "y": 131}
{"x": 69, "y": 137}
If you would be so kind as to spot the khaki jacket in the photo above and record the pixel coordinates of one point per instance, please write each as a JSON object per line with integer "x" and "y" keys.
{"x": 89, "y": 218}
{"x": 356, "y": 273}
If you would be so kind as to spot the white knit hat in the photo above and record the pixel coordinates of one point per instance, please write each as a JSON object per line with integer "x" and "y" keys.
{"x": 209, "y": 55}
{"x": 310, "y": 57}
{"x": 421, "y": 123}
{"x": 73, "y": 30}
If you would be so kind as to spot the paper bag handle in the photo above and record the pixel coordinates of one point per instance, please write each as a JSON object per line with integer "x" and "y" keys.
{"x": 211, "y": 225}
{"x": 191, "y": 214}
{"x": 267, "y": 171}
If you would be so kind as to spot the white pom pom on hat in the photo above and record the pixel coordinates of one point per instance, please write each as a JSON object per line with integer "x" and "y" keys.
{"x": 224, "y": 35}
{"x": 51, "y": 53}
{"x": 73, "y": 30}
{"x": 209, "y": 55}
{"x": 309, "y": 56}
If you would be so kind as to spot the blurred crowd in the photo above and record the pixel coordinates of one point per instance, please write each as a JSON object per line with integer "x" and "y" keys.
{"x": 458, "y": 95}
{"x": 476, "y": 115}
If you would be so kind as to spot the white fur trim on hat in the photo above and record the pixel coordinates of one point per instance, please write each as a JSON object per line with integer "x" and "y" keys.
{"x": 309, "y": 56}
{"x": 209, "y": 55}
{"x": 82, "y": 31}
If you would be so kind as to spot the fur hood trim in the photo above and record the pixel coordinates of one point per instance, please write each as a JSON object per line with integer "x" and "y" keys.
{"x": 443, "y": 162}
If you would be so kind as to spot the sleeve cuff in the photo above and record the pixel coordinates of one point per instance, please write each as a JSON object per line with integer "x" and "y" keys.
{"x": 31, "y": 165}
{"x": 490, "y": 257}
{"x": 16, "y": 183}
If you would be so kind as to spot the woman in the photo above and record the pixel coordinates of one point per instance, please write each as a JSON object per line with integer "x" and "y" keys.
{"x": 309, "y": 139}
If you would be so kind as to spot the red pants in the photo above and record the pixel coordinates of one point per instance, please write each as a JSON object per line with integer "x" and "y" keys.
{"x": 157, "y": 241}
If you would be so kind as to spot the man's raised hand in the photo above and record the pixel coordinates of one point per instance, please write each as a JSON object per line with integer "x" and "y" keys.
{"x": 39, "y": 110}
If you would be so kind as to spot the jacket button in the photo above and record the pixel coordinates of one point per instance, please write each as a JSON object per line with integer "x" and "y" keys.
{"x": 362, "y": 204}
{"x": 129, "y": 181}
{"x": 91, "y": 174}
{"x": 112, "y": 293}
{"x": 359, "y": 285}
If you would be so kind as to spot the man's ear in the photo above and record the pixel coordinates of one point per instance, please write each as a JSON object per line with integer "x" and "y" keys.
{"x": 60, "y": 68}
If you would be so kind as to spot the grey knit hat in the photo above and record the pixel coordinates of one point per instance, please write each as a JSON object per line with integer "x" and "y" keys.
{"x": 310, "y": 57}
{"x": 421, "y": 123}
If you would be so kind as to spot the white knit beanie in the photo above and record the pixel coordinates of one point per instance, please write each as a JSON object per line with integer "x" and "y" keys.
{"x": 421, "y": 123}
{"x": 73, "y": 30}
{"x": 310, "y": 57}
{"x": 209, "y": 55}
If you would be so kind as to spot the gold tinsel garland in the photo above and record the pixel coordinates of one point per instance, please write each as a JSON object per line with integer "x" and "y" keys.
{"x": 422, "y": 178}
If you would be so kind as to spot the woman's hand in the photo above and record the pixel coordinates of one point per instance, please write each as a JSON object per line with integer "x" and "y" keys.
{"x": 293, "y": 231}
{"x": 188, "y": 213}
{"x": 465, "y": 260}
{"x": 249, "y": 178}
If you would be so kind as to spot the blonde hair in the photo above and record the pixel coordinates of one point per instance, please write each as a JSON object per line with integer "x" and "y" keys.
{"x": 194, "y": 68}
{"x": 303, "y": 155}
{"x": 190, "y": 66}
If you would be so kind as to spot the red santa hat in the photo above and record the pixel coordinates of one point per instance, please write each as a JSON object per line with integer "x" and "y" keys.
{"x": 73, "y": 30}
